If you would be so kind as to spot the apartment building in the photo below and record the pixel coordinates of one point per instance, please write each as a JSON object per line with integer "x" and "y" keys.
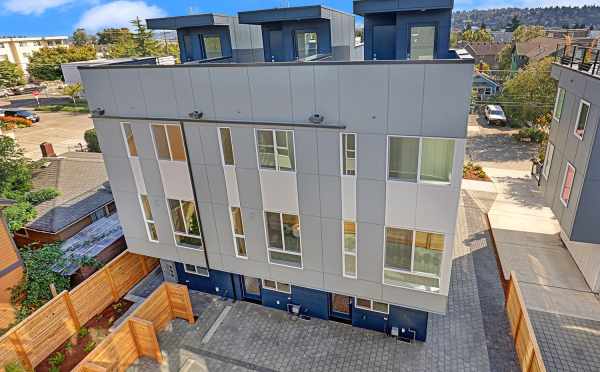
{"x": 571, "y": 173}
{"x": 328, "y": 189}
{"x": 19, "y": 49}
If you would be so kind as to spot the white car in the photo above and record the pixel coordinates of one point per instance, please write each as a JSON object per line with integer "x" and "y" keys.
{"x": 495, "y": 115}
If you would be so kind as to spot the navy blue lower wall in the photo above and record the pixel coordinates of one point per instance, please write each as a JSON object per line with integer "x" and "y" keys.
{"x": 398, "y": 317}
{"x": 312, "y": 302}
{"x": 274, "y": 299}
{"x": 218, "y": 283}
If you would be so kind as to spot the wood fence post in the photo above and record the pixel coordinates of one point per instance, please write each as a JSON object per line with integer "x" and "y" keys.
{"x": 113, "y": 287}
{"x": 188, "y": 304}
{"x": 149, "y": 346}
{"x": 20, "y": 350}
{"x": 72, "y": 311}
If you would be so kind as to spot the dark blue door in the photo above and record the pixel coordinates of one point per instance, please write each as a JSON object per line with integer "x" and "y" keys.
{"x": 275, "y": 46}
{"x": 341, "y": 307}
{"x": 251, "y": 288}
{"x": 384, "y": 42}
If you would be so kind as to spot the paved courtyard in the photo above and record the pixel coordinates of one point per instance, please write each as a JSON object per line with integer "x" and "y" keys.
{"x": 473, "y": 336}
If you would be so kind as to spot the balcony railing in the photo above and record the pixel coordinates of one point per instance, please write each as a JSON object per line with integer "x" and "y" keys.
{"x": 579, "y": 58}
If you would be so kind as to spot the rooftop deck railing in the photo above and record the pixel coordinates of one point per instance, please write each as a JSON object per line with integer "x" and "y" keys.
{"x": 579, "y": 58}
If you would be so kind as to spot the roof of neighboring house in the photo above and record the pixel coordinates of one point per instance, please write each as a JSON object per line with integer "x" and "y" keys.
{"x": 81, "y": 179}
{"x": 502, "y": 36}
{"x": 538, "y": 48}
{"x": 485, "y": 48}
{"x": 482, "y": 77}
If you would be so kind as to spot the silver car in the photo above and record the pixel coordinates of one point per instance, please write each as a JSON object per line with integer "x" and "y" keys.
{"x": 495, "y": 115}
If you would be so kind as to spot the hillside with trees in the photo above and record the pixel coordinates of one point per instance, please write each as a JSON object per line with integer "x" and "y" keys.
{"x": 496, "y": 19}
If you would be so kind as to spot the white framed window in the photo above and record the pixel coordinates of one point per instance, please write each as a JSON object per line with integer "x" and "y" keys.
{"x": 371, "y": 305}
{"x": 548, "y": 160}
{"x": 559, "y": 104}
{"x": 348, "y": 147}
{"x": 129, "y": 139}
{"x": 148, "y": 218}
{"x": 582, "y": 118}
{"x": 168, "y": 142}
{"x": 196, "y": 270}
{"x": 239, "y": 238}
{"x": 283, "y": 239}
{"x": 226, "y": 146}
{"x": 420, "y": 160}
{"x": 277, "y": 286}
{"x": 567, "y": 184}
{"x": 275, "y": 149}
{"x": 185, "y": 223}
{"x": 412, "y": 258}
{"x": 349, "y": 256}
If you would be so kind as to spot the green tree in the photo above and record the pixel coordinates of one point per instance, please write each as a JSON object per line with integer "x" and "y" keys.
{"x": 454, "y": 37}
{"x": 10, "y": 75}
{"x": 505, "y": 57}
{"x": 514, "y": 23}
{"x": 481, "y": 35}
{"x": 45, "y": 63}
{"x": 525, "y": 33}
{"x": 143, "y": 38}
{"x": 112, "y": 35}
{"x": 73, "y": 91}
{"x": 91, "y": 139}
{"x": 81, "y": 38}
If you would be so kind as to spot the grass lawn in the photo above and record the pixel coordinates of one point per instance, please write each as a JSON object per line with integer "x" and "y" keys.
{"x": 67, "y": 107}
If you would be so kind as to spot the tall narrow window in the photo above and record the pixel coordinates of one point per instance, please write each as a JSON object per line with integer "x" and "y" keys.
{"x": 149, "y": 218}
{"x": 275, "y": 149}
{"x": 560, "y": 102}
{"x": 238, "y": 232}
{"x": 212, "y": 46}
{"x": 582, "y": 117}
{"x": 348, "y": 154}
{"x": 403, "y": 158}
{"x": 168, "y": 141}
{"x": 349, "y": 249}
{"x": 548, "y": 160}
{"x": 129, "y": 140}
{"x": 226, "y": 146}
{"x": 306, "y": 44}
{"x": 437, "y": 157}
{"x": 186, "y": 225}
{"x": 283, "y": 239}
{"x": 422, "y": 42}
{"x": 567, "y": 185}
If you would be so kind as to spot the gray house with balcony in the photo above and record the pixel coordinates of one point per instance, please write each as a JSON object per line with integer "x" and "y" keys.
{"x": 328, "y": 189}
{"x": 571, "y": 172}
{"x": 212, "y": 37}
{"x": 303, "y": 33}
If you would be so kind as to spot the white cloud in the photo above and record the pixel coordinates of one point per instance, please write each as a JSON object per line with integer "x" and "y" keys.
{"x": 36, "y": 7}
{"x": 117, "y": 14}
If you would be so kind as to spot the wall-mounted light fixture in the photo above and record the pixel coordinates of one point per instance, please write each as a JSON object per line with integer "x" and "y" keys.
{"x": 196, "y": 115}
{"x": 99, "y": 111}
{"x": 316, "y": 118}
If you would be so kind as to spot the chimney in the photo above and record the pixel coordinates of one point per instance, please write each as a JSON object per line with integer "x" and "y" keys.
{"x": 47, "y": 150}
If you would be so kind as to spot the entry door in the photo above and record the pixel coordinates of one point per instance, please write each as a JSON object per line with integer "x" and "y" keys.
{"x": 384, "y": 42}
{"x": 251, "y": 288}
{"x": 275, "y": 46}
{"x": 341, "y": 306}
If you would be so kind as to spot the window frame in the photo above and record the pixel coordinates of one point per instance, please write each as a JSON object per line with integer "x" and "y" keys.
{"x": 419, "y": 161}
{"x": 296, "y": 45}
{"x": 412, "y": 261}
{"x": 148, "y": 220}
{"x": 235, "y": 235}
{"x": 562, "y": 105}
{"x": 222, "y": 150}
{"x": 196, "y": 272}
{"x": 344, "y": 151}
{"x": 129, "y": 155}
{"x": 209, "y": 35}
{"x": 276, "y": 288}
{"x": 356, "y": 305}
{"x": 346, "y": 252}
{"x": 435, "y": 26}
{"x": 283, "y": 250}
{"x": 165, "y": 125}
{"x": 275, "y": 149}
{"x": 186, "y": 234}
{"x": 562, "y": 188}
{"x": 548, "y": 160}
{"x": 582, "y": 102}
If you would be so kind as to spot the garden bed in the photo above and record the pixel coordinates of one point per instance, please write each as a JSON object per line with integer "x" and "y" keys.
{"x": 72, "y": 351}
{"x": 475, "y": 172}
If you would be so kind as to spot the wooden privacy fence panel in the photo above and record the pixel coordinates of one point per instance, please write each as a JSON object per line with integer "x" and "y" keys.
{"x": 32, "y": 340}
{"x": 524, "y": 338}
{"x": 181, "y": 305}
{"x": 156, "y": 309}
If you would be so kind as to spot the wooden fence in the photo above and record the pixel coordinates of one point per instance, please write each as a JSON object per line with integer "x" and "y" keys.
{"x": 524, "y": 339}
{"x": 136, "y": 337}
{"x": 32, "y": 340}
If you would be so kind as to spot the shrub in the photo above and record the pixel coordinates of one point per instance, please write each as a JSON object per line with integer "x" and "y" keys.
{"x": 56, "y": 359}
{"x": 40, "y": 196}
{"x": 14, "y": 367}
{"x": 91, "y": 138}
{"x": 89, "y": 346}
{"x": 536, "y": 135}
{"x": 471, "y": 169}
{"x": 53, "y": 369}
{"x": 83, "y": 332}
{"x": 15, "y": 121}
{"x": 69, "y": 346}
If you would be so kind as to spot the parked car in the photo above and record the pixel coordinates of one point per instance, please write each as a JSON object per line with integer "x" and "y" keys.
{"x": 33, "y": 117}
{"x": 27, "y": 89}
{"x": 495, "y": 115}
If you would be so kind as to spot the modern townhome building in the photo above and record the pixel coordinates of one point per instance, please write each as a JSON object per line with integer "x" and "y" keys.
{"x": 213, "y": 37}
{"x": 305, "y": 33}
{"x": 18, "y": 49}
{"x": 571, "y": 173}
{"x": 327, "y": 189}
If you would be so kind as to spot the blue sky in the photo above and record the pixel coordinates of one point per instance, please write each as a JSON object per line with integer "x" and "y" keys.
{"x": 61, "y": 17}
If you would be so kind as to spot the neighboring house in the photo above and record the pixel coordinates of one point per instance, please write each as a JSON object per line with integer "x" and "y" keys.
{"x": 11, "y": 269}
{"x": 85, "y": 197}
{"x": 303, "y": 33}
{"x": 326, "y": 189}
{"x": 19, "y": 49}
{"x": 502, "y": 36}
{"x": 561, "y": 33}
{"x": 486, "y": 52}
{"x": 213, "y": 37}
{"x": 534, "y": 50}
{"x": 571, "y": 173}
{"x": 484, "y": 86}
